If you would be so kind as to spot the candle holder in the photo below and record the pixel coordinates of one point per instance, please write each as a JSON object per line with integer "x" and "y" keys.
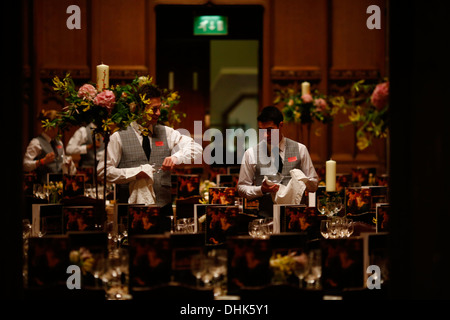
{"x": 331, "y": 203}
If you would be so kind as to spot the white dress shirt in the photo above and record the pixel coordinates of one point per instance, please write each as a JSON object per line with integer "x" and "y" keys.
{"x": 247, "y": 189}
{"x": 78, "y": 143}
{"x": 34, "y": 149}
{"x": 184, "y": 148}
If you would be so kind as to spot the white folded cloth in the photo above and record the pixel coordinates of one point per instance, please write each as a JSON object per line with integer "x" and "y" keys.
{"x": 293, "y": 192}
{"x": 141, "y": 190}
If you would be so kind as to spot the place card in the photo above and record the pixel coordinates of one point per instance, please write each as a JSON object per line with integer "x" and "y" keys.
{"x": 360, "y": 202}
{"x": 248, "y": 263}
{"x": 48, "y": 258}
{"x": 342, "y": 263}
{"x": 81, "y": 218}
{"x": 150, "y": 261}
{"x": 221, "y": 222}
{"x": 382, "y": 217}
{"x": 145, "y": 219}
{"x": 222, "y": 195}
{"x": 188, "y": 185}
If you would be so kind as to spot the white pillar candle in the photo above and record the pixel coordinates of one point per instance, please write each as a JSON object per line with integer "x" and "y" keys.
{"x": 330, "y": 178}
{"x": 306, "y": 88}
{"x": 102, "y": 77}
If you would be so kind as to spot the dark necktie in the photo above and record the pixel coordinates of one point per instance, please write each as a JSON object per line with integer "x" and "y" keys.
{"x": 276, "y": 152}
{"x": 53, "y": 144}
{"x": 280, "y": 164}
{"x": 146, "y": 146}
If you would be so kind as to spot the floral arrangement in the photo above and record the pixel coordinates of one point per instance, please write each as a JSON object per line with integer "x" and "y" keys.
{"x": 283, "y": 266}
{"x": 301, "y": 106}
{"x": 82, "y": 258}
{"x": 367, "y": 110}
{"x": 111, "y": 109}
{"x": 54, "y": 191}
{"x": 204, "y": 190}
{"x": 169, "y": 116}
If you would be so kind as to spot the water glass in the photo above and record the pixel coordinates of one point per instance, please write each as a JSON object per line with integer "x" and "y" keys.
{"x": 325, "y": 228}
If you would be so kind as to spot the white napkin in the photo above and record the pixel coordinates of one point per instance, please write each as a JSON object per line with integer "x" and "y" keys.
{"x": 141, "y": 190}
{"x": 293, "y": 192}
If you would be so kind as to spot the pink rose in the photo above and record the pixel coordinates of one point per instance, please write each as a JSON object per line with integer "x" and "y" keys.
{"x": 87, "y": 92}
{"x": 320, "y": 104}
{"x": 380, "y": 95}
{"x": 105, "y": 99}
{"x": 307, "y": 98}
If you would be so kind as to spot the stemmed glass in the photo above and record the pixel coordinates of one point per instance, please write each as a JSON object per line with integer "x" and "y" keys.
{"x": 347, "y": 227}
{"x": 301, "y": 268}
{"x": 46, "y": 192}
{"x": 38, "y": 191}
{"x": 155, "y": 169}
{"x": 254, "y": 228}
{"x": 324, "y": 228}
{"x": 276, "y": 178}
{"x": 26, "y": 228}
{"x": 197, "y": 267}
{"x": 98, "y": 267}
{"x": 218, "y": 269}
{"x": 315, "y": 269}
{"x": 42, "y": 228}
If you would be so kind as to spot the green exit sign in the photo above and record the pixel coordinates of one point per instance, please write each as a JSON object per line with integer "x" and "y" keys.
{"x": 210, "y": 25}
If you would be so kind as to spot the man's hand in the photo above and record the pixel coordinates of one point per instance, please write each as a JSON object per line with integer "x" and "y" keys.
{"x": 265, "y": 188}
{"x": 142, "y": 175}
{"x": 169, "y": 163}
{"x": 49, "y": 157}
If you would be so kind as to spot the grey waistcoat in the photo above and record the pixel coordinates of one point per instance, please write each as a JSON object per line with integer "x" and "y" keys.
{"x": 133, "y": 155}
{"x": 53, "y": 167}
{"x": 291, "y": 161}
{"x": 89, "y": 159}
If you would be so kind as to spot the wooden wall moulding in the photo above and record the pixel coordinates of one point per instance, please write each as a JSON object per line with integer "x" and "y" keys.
{"x": 128, "y": 72}
{"x": 295, "y": 73}
{"x": 76, "y": 72}
{"x": 354, "y": 74}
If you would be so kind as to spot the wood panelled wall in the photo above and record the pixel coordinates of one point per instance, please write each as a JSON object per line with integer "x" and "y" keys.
{"x": 325, "y": 42}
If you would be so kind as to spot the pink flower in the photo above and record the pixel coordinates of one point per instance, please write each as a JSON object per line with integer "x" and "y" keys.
{"x": 105, "y": 99}
{"x": 307, "y": 98}
{"x": 320, "y": 104}
{"x": 87, "y": 92}
{"x": 380, "y": 95}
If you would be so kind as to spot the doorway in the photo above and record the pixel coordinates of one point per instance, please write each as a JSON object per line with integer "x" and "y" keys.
{"x": 217, "y": 76}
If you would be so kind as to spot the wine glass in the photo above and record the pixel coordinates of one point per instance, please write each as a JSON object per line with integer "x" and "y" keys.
{"x": 315, "y": 269}
{"x": 301, "y": 268}
{"x": 348, "y": 227}
{"x": 46, "y": 191}
{"x": 155, "y": 169}
{"x": 98, "y": 267}
{"x": 254, "y": 227}
{"x": 322, "y": 207}
{"x": 338, "y": 205}
{"x": 276, "y": 178}
{"x": 42, "y": 228}
{"x": 324, "y": 228}
{"x": 196, "y": 267}
{"x": 218, "y": 269}
{"x": 26, "y": 228}
{"x": 36, "y": 190}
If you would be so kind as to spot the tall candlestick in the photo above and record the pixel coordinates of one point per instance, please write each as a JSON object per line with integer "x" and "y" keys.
{"x": 330, "y": 178}
{"x": 102, "y": 77}
{"x": 306, "y": 88}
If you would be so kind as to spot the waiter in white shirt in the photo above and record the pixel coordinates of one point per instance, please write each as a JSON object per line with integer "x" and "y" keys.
{"x": 82, "y": 143}
{"x": 274, "y": 153}
{"x": 45, "y": 153}
{"x": 143, "y": 148}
